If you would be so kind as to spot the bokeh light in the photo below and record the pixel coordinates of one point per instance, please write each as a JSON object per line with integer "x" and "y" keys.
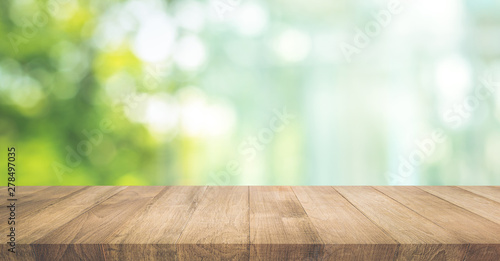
{"x": 180, "y": 92}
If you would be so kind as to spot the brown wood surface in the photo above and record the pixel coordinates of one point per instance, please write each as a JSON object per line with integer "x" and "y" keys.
{"x": 419, "y": 238}
{"x": 218, "y": 228}
{"x": 355, "y": 237}
{"x": 482, "y": 234}
{"x": 480, "y": 205}
{"x": 254, "y": 223}
{"x": 461, "y": 222}
{"x": 144, "y": 235}
{"x": 29, "y": 202}
{"x": 492, "y": 193}
{"x": 279, "y": 226}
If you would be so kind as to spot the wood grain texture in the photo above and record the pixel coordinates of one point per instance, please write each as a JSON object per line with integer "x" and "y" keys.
{"x": 279, "y": 226}
{"x": 53, "y": 216}
{"x": 492, "y": 193}
{"x": 461, "y": 222}
{"x": 174, "y": 208}
{"x": 475, "y": 203}
{"x": 23, "y": 252}
{"x": 68, "y": 252}
{"x": 29, "y": 203}
{"x": 419, "y": 238}
{"x": 139, "y": 251}
{"x": 354, "y": 236}
{"x": 82, "y": 235}
{"x": 481, "y": 233}
{"x": 255, "y": 223}
{"x": 219, "y": 227}
{"x": 25, "y": 196}
{"x": 94, "y": 225}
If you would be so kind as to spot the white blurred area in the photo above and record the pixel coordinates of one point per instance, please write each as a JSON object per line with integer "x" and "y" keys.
{"x": 365, "y": 117}
{"x": 158, "y": 33}
{"x": 357, "y": 119}
{"x": 189, "y": 112}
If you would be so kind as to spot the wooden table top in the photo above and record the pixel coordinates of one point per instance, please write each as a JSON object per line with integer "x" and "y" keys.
{"x": 257, "y": 223}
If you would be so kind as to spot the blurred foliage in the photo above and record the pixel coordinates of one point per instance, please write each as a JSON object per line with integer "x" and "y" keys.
{"x": 184, "y": 84}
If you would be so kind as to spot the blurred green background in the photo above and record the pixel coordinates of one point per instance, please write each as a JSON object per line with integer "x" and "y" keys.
{"x": 240, "y": 92}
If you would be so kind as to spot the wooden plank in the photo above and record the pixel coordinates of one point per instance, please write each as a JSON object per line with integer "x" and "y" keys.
{"x": 469, "y": 226}
{"x": 68, "y": 252}
{"x": 257, "y": 223}
{"x": 481, "y": 233}
{"x": 92, "y": 227}
{"x": 279, "y": 227}
{"x": 23, "y": 252}
{"x": 492, "y": 193}
{"x": 97, "y": 223}
{"x": 132, "y": 252}
{"x": 29, "y": 198}
{"x": 480, "y": 205}
{"x": 420, "y": 238}
{"x": 21, "y": 193}
{"x": 346, "y": 232}
{"x": 39, "y": 224}
{"x": 218, "y": 228}
{"x": 155, "y": 230}
{"x": 482, "y": 252}
{"x": 29, "y": 203}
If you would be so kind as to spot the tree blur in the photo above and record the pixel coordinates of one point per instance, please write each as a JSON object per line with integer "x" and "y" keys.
{"x": 237, "y": 92}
